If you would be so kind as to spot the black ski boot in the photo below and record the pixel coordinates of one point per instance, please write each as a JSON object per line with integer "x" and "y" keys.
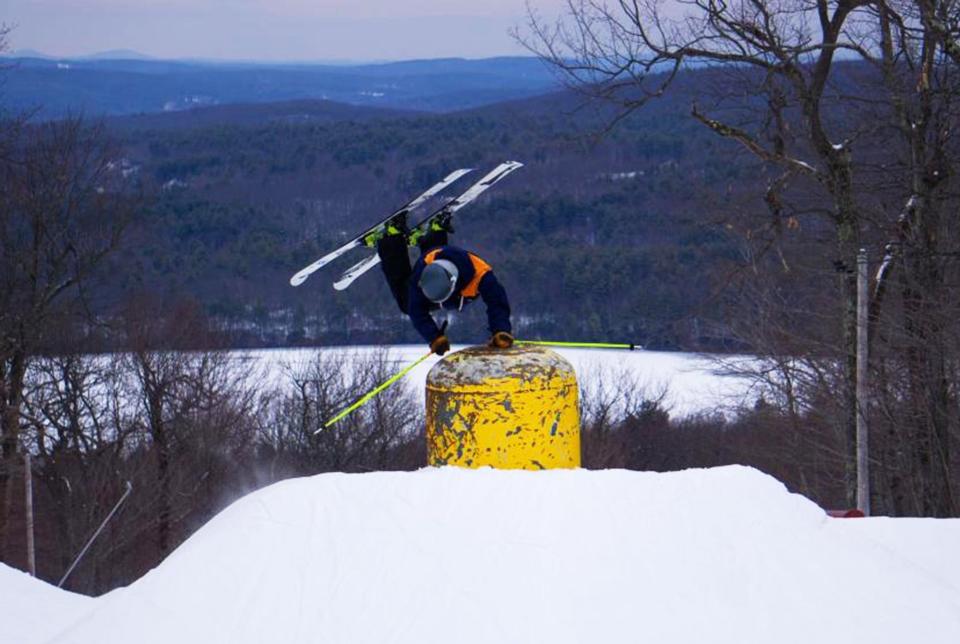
{"x": 395, "y": 226}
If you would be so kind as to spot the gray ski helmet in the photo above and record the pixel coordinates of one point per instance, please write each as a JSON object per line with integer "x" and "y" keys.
{"x": 438, "y": 280}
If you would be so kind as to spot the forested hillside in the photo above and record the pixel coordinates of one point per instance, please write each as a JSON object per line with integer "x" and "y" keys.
{"x": 620, "y": 238}
{"x": 109, "y": 87}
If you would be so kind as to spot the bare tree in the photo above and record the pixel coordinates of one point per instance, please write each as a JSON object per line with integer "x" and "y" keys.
{"x": 849, "y": 105}
{"x": 62, "y": 211}
{"x": 374, "y": 437}
{"x": 75, "y": 426}
{"x": 179, "y": 425}
{"x": 617, "y": 411}
{"x": 193, "y": 403}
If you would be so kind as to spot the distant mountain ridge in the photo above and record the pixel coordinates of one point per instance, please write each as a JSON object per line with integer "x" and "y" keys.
{"x": 114, "y": 54}
{"x": 103, "y": 86}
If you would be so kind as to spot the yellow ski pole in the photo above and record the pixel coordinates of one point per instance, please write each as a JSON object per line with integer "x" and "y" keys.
{"x": 367, "y": 397}
{"x": 582, "y": 345}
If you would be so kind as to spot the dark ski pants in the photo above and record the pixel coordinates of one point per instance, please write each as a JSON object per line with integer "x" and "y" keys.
{"x": 396, "y": 262}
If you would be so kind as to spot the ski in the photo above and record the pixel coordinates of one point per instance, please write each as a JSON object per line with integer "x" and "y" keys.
{"x": 351, "y": 274}
{"x": 301, "y": 276}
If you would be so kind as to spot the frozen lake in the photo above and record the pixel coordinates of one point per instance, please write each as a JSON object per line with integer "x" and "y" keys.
{"x": 693, "y": 382}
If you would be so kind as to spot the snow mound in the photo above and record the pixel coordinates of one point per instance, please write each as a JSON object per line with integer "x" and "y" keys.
{"x": 33, "y": 610}
{"x": 450, "y": 555}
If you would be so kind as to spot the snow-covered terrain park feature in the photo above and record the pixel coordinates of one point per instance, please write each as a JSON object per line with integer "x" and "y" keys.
{"x": 452, "y": 555}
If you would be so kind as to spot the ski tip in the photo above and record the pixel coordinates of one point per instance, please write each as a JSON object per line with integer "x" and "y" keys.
{"x": 456, "y": 174}
{"x": 298, "y": 279}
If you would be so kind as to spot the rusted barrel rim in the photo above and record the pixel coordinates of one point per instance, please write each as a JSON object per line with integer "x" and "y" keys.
{"x": 477, "y": 365}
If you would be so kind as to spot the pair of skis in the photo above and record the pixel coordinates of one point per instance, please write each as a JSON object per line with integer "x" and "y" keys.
{"x": 351, "y": 274}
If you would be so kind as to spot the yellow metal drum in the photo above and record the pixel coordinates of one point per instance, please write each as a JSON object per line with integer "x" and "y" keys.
{"x": 504, "y": 408}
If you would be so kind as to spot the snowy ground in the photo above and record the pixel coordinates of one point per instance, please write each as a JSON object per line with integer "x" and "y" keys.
{"x": 34, "y": 611}
{"x": 446, "y": 555}
{"x": 692, "y": 382}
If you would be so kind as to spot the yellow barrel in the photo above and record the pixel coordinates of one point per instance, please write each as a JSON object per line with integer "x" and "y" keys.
{"x": 504, "y": 408}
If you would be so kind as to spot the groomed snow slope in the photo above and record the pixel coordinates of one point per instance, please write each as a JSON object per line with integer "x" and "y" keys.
{"x": 34, "y": 611}
{"x": 449, "y": 555}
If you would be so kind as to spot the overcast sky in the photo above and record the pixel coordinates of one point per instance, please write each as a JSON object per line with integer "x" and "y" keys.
{"x": 270, "y": 29}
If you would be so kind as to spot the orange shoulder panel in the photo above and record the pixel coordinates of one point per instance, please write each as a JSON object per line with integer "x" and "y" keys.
{"x": 480, "y": 269}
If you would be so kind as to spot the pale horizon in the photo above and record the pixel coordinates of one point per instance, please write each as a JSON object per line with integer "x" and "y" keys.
{"x": 264, "y": 31}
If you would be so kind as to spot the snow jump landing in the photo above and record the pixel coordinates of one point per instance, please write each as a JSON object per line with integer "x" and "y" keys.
{"x": 441, "y": 555}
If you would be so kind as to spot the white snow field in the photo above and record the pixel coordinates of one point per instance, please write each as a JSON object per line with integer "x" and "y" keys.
{"x": 34, "y": 611}
{"x": 724, "y": 555}
{"x": 693, "y": 382}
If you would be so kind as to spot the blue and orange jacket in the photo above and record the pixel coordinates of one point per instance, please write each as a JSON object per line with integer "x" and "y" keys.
{"x": 475, "y": 278}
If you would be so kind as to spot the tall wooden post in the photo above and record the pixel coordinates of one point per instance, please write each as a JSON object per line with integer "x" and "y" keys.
{"x": 28, "y": 502}
{"x": 863, "y": 453}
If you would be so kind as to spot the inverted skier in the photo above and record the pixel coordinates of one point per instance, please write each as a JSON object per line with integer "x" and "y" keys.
{"x": 443, "y": 277}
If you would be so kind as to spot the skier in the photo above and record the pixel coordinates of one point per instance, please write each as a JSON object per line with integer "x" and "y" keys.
{"x": 444, "y": 277}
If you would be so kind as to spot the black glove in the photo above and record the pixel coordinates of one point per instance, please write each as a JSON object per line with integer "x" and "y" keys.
{"x": 440, "y": 345}
{"x": 501, "y": 340}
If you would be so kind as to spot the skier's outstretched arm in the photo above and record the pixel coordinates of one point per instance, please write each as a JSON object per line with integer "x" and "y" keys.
{"x": 498, "y": 306}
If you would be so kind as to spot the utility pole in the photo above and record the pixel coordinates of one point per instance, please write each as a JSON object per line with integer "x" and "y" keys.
{"x": 28, "y": 494}
{"x": 863, "y": 460}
